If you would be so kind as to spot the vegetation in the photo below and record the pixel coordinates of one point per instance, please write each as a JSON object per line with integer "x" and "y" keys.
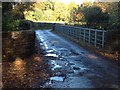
{"x": 96, "y": 15}
{"x": 13, "y": 16}
{"x": 102, "y": 15}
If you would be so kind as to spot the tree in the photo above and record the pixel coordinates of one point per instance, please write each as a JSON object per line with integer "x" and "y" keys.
{"x": 94, "y": 17}
{"x": 80, "y": 17}
{"x": 72, "y": 8}
{"x": 12, "y": 12}
{"x": 49, "y": 4}
{"x": 118, "y": 14}
{"x": 114, "y": 10}
{"x": 60, "y": 11}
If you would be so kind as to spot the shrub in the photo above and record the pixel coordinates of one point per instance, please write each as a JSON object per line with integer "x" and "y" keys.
{"x": 17, "y": 25}
{"x": 113, "y": 41}
{"x": 25, "y": 25}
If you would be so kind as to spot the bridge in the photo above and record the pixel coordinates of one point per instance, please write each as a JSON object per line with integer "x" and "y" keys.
{"x": 62, "y": 63}
{"x": 74, "y": 65}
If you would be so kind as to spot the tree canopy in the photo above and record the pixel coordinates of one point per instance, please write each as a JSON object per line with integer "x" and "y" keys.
{"x": 94, "y": 15}
{"x": 13, "y": 13}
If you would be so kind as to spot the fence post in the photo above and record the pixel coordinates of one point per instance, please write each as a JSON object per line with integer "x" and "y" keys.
{"x": 79, "y": 34}
{"x": 103, "y": 38}
{"x": 89, "y": 36}
{"x": 84, "y": 35}
{"x": 95, "y": 38}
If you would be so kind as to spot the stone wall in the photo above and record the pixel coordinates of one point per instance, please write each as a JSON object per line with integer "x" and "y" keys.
{"x": 18, "y": 44}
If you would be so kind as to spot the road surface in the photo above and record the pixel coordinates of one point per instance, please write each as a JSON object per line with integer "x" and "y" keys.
{"x": 63, "y": 64}
{"x": 75, "y": 67}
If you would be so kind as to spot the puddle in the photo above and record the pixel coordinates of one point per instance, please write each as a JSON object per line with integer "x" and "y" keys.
{"x": 72, "y": 64}
{"x": 63, "y": 49}
{"x": 82, "y": 68}
{"x": 51, "y": 55}
{"x": 61, "y": 58}
{"x": 74, "y": 52}
{"x": 79, "y": 68}
{"x": 82, "y": 52}
{"x": 57, "y": 78}
{"x": 56, "y": 67}
{"x": 50, "y": 51}
{"x": 53, "y": 62}
{"x": 76, "y": 68}
{"x": 54, "y": 41}
{"x": 46, "y": 46}
{"x": 64, "y": 52}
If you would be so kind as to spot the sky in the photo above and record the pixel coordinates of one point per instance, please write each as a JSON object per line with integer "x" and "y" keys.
{"x": 81, "y": 1}
{"x": 76, "y": 1}
{"x": 65, "y": 1}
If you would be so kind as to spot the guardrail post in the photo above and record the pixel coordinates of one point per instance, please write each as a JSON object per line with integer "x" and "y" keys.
{"x": 103, "y": 38}
{"x": 95, "y": 38}
{"x": 84, "y": 35}
{"x": 89, "y": 36}
{"x": 79, "y": 34}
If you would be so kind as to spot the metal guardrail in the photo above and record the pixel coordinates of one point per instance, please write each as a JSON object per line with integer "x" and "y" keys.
{"x": 91, "y": 36}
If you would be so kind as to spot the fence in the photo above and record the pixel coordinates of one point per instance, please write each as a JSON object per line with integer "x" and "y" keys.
{"x": 91, "y": 36}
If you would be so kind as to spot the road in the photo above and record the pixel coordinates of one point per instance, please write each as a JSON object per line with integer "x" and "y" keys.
{"x": 75, "y": 67}
{"x": 62, "y": 64}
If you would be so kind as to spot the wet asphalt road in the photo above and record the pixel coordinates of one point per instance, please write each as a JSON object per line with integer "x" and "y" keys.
{"x": 63, "y": 64}
{"x": 73, "y": 66}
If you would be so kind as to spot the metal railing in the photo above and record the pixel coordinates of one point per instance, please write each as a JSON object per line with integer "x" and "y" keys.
{"x": 91, "y": 36}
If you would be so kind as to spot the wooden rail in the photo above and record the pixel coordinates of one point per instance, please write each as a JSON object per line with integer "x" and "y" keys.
{"x": 91, "y": 36}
